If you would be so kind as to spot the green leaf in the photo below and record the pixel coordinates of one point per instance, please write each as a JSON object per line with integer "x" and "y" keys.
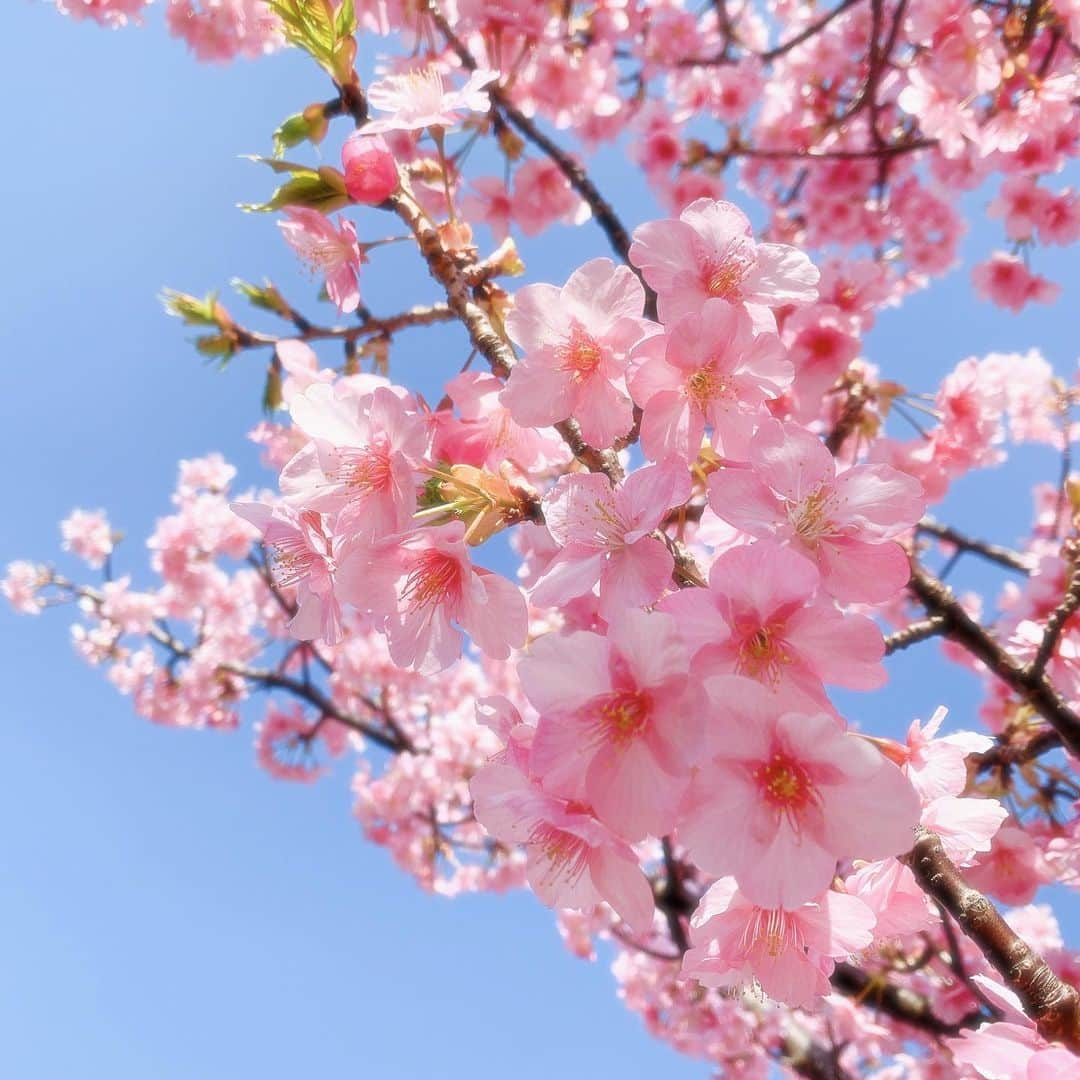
{"x": 272, "y": 397}
{"x": 310, "y": 125}
{"x": 217, "y": 346}
{"x": 319, "y": 189}
{"x": 345, "y": 23}
{"x": 304, "y": 189}
{"x": 265, "y": 297}
{"x": 194, "y": 312}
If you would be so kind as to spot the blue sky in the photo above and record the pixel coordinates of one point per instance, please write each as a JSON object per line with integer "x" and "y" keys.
{"x": 167, "y": 909}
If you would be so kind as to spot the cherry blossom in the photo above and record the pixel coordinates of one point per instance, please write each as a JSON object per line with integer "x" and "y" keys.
{"x": 709, "y": 371}
{"x": 844, "y": 521}
{"x": 804, "y": 790}
{"x": 370, "y": 169}
{"x": 787, "y": 953}
{"x": 620, "y": 725}
{"x": 576, "y": 341}
{"x": 710, "y": 252}
{"x": 419, "y": 99}
{"x": 329, "y": 250}
{"x": 605, "y": 538}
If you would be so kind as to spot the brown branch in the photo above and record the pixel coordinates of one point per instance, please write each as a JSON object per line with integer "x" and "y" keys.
{"x": 305, "y": 691}
{"x": 778, "y": 50}
{"x": 1007, "y": 752}
{"x": 897, "y": 1002}
{"x": 1003, "y": 556}
{"x": 1055, "y": 623}
{"x": 959, "y": 626}
{"x": 1051, "y": 1003}
{"x": 918, "y": 631}
{"x": 576, "y": 176}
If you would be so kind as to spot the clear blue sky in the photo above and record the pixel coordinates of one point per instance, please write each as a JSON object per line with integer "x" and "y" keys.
{"x": 166, "y": 909}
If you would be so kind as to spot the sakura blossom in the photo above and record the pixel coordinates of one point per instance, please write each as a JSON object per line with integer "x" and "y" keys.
{"x": 620, "y": 731}
{"x": 370, "y": 169}
{"x": 606, "y": 540}
{"x": 420, "y": 99}
{"x": 787, "y": 953}
{"x": 577, "y": 340}
{"x": 328, "y": 249}
{"x": 710, "y": 371}
{"x": 594, "y": 588}
{"x": 804, "y": 789}
{"x": 846, "y": 522}
{"x": 710, "y": 252}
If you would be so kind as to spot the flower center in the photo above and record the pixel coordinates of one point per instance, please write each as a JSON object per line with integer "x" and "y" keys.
{"x": 580, "y": 355}
{"x": 722, "y": 275}
{"x": 763, "y": 656}
{"x": 809, "y": 518}
{"x": 434, "y": 578}
{"x": 365, "y": 470}
{"x": 785, "y": 785}
{"x": 771, "y": 929}
{"x": 705, "y": 386}
{"x": 625, "y": 714}
{"x": 567, "y": 854}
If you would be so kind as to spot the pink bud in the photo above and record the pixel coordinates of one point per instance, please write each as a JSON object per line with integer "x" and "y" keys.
{"x": 370, "y": 169}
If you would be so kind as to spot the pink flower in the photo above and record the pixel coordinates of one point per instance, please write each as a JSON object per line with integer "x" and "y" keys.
{"x": 604, "y": 537}
{"x": 329, "y": 250}
{"x": 939, "y": 766}
{"x": 710, "y": 370}
{"x": 576, "y": 341}
{"x": 88, "y": 535}
{"x": 425, "y": 585}
{"x": 486, "y": 435}
{"x": 1007, "y": 282}
{"x": 419, "y": 99}
{"x": 362, "y": 462}
{"x": 789, "y": 954}
{"x": 285, "y": 743}
{"x": 941, "y": 113}
{"x": 844, "y": 523}
{"x": 762, "y": 617}
{"x": 302, "y": 554}
{"x": 890, "y": 890}
{"x": 620, "y": 721}
{"x": 490, "y": 203}
{"x": 789, "y": 796}
{"x": 20, "y": 586}
{"x": 710, "y": 252}
{"x": 106, "y": 12}
{"x": 1059, "y": 218}
{"x": 371, "y": 174}
{"x": 1013, "y": 869}
{"x": 573, "y": 861}
{"x": 966, "y": 826}
{"x": 542, "y": 196}
{"x": 1009, "y": 1051}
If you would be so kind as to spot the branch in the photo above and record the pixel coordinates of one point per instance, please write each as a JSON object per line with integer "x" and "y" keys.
{"x": 1055, "y": 624}
{"x": 1054, "y": 1005}
{"x": 897, "y": 1002}
{"x": 959, "y": 626}
{"x": 918, "y": 631}
{"x": 1007, "y": 753}
{"x": 778, "y": 50}
{"x": 1003, "y": 556}
{"x": 575, "y": 175}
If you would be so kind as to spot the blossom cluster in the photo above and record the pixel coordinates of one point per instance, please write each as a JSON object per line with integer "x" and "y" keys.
{"x": 578, "y": 623}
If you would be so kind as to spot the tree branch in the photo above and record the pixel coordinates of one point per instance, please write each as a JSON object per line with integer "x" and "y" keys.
{"x": 1003, "y": 556}
{"x": 1053, "y": 1004}
{"x": 959, "y": 626}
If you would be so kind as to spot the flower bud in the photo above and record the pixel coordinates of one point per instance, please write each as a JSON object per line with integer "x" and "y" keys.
{"x": 371, "y": 174}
